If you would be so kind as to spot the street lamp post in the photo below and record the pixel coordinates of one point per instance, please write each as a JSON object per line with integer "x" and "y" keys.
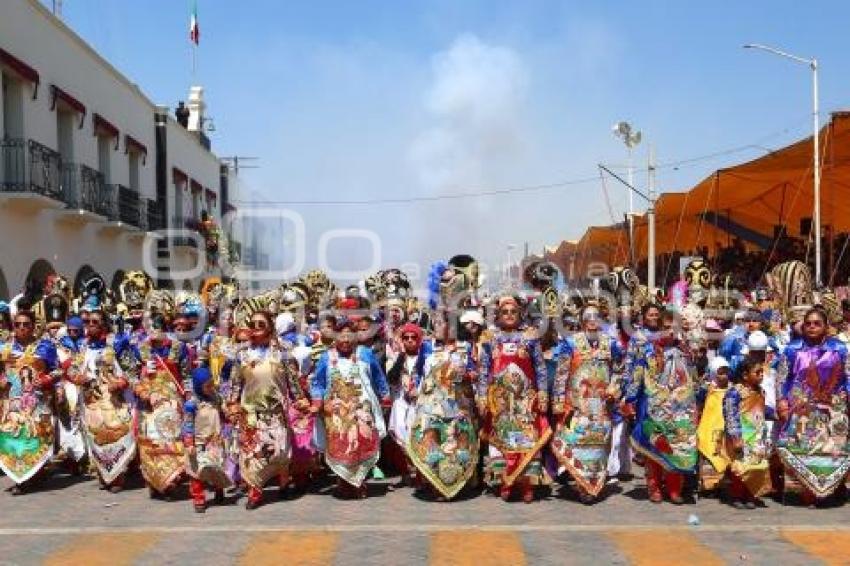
{"x": 631, "y": 138}
{"x": 650, "y": 219}
{"x": 813, "y": 65}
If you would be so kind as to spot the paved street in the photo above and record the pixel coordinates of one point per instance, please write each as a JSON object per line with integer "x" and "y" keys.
{"x": 75, "y": 523}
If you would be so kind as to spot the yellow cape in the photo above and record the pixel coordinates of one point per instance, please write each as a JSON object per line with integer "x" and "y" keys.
{"x": 710, "y": 433}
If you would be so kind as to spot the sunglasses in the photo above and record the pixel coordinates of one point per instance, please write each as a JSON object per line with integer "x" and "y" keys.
{"x": 23, "y": 324}
{"x": 258, "y": 325}
{"x": 409, "y": 337}
{"x": 509, "y": 311}
{"x": 93, "y": 322}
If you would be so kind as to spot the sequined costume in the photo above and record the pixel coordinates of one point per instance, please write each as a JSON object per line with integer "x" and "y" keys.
{"x": 812, "y": 441}
{"x": 350, "y": 389}
{"x": 512, "y": 392}
{"x": 587, "y": 383}
{"x": 26, "y": 414}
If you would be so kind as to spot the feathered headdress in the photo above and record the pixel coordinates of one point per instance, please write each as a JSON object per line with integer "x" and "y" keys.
{"x": 435, "y": 276}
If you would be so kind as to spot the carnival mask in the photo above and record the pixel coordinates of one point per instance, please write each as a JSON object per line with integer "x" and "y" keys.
{"x": 698, "y": 275}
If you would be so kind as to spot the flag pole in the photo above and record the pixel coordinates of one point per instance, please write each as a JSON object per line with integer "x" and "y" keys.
{"x": 193, "y": 36}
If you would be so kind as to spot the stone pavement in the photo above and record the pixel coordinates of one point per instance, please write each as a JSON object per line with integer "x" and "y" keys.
{"x": 70, "y": 522}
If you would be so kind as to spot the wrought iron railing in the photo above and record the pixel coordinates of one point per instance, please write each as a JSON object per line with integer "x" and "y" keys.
{"x": 128, "y": 206}
{"x": 45, "y": 171}
{"x": 68, "y": 183}
{"x": 101, "y": 192}
{"x": 110, "y": 193}
{"x": 28, "y": 166}
{"x": 13, "y": 165}
{"x": 143, "y": 214}
{"x": 82, "y": 188}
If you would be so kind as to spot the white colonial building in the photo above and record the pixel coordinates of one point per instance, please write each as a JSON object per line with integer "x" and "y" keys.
{"x": 90, "y": 168}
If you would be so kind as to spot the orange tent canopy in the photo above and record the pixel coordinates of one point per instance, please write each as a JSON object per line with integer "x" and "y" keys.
{"x": 773, "y": 190}
{"x": 777, "y": 189}
{"x": 602, "y": 244}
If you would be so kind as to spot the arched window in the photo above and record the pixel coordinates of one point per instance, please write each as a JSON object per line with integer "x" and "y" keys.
{"x": 38, "y": 273}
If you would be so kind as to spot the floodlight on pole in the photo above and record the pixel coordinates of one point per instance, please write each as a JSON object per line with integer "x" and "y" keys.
{"x": 813, "y": 65}
{"x": 631, "y": 138}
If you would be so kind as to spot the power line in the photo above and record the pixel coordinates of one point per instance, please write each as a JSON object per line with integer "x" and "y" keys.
{"x": 521, "y": 189}
{"x": 431, "y": 198}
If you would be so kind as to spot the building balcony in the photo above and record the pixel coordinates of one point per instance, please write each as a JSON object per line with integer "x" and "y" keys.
{"x": 30, "y": 175}
{"x": 148, "y": 216}
{"x": 84, "y": 193}
{"x": 188, "y": 237}
{"x": 129, "y": 206}
{"x": 154, "y": 215}
{"x": 124, "y": 208}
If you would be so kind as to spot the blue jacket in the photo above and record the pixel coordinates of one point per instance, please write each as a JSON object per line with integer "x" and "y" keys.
{"x": 319, "y": 383}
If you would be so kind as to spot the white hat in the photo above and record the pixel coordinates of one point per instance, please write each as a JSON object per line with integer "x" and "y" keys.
{"x": 284, "y": 323}
{"x": 757, "y": 341}
{"x": 715, "y": 364}
{"x": 472, "y": 316}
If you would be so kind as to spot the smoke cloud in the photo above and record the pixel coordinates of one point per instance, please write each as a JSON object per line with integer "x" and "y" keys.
{"x": 476, "y": 101}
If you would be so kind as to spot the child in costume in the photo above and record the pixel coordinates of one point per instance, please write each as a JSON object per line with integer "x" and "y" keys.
{"x": 203, "y": 440}
{"x": 746, "y": 437}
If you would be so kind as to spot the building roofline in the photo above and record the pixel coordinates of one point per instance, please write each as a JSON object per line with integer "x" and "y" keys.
{"x": 75, "y": 37}
{"x": 70, "y": 33}
{"x": 172, "y": 121}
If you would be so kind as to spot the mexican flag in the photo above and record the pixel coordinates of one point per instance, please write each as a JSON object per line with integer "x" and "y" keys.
{"x": 194, "y": 30}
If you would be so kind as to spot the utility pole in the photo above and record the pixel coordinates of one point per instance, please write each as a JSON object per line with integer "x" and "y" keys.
{"x": 233, "y": 162}
{"x": 649, "y": 197}
{"x": 650, "y": 219}
{"x": 631, "y": 137}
